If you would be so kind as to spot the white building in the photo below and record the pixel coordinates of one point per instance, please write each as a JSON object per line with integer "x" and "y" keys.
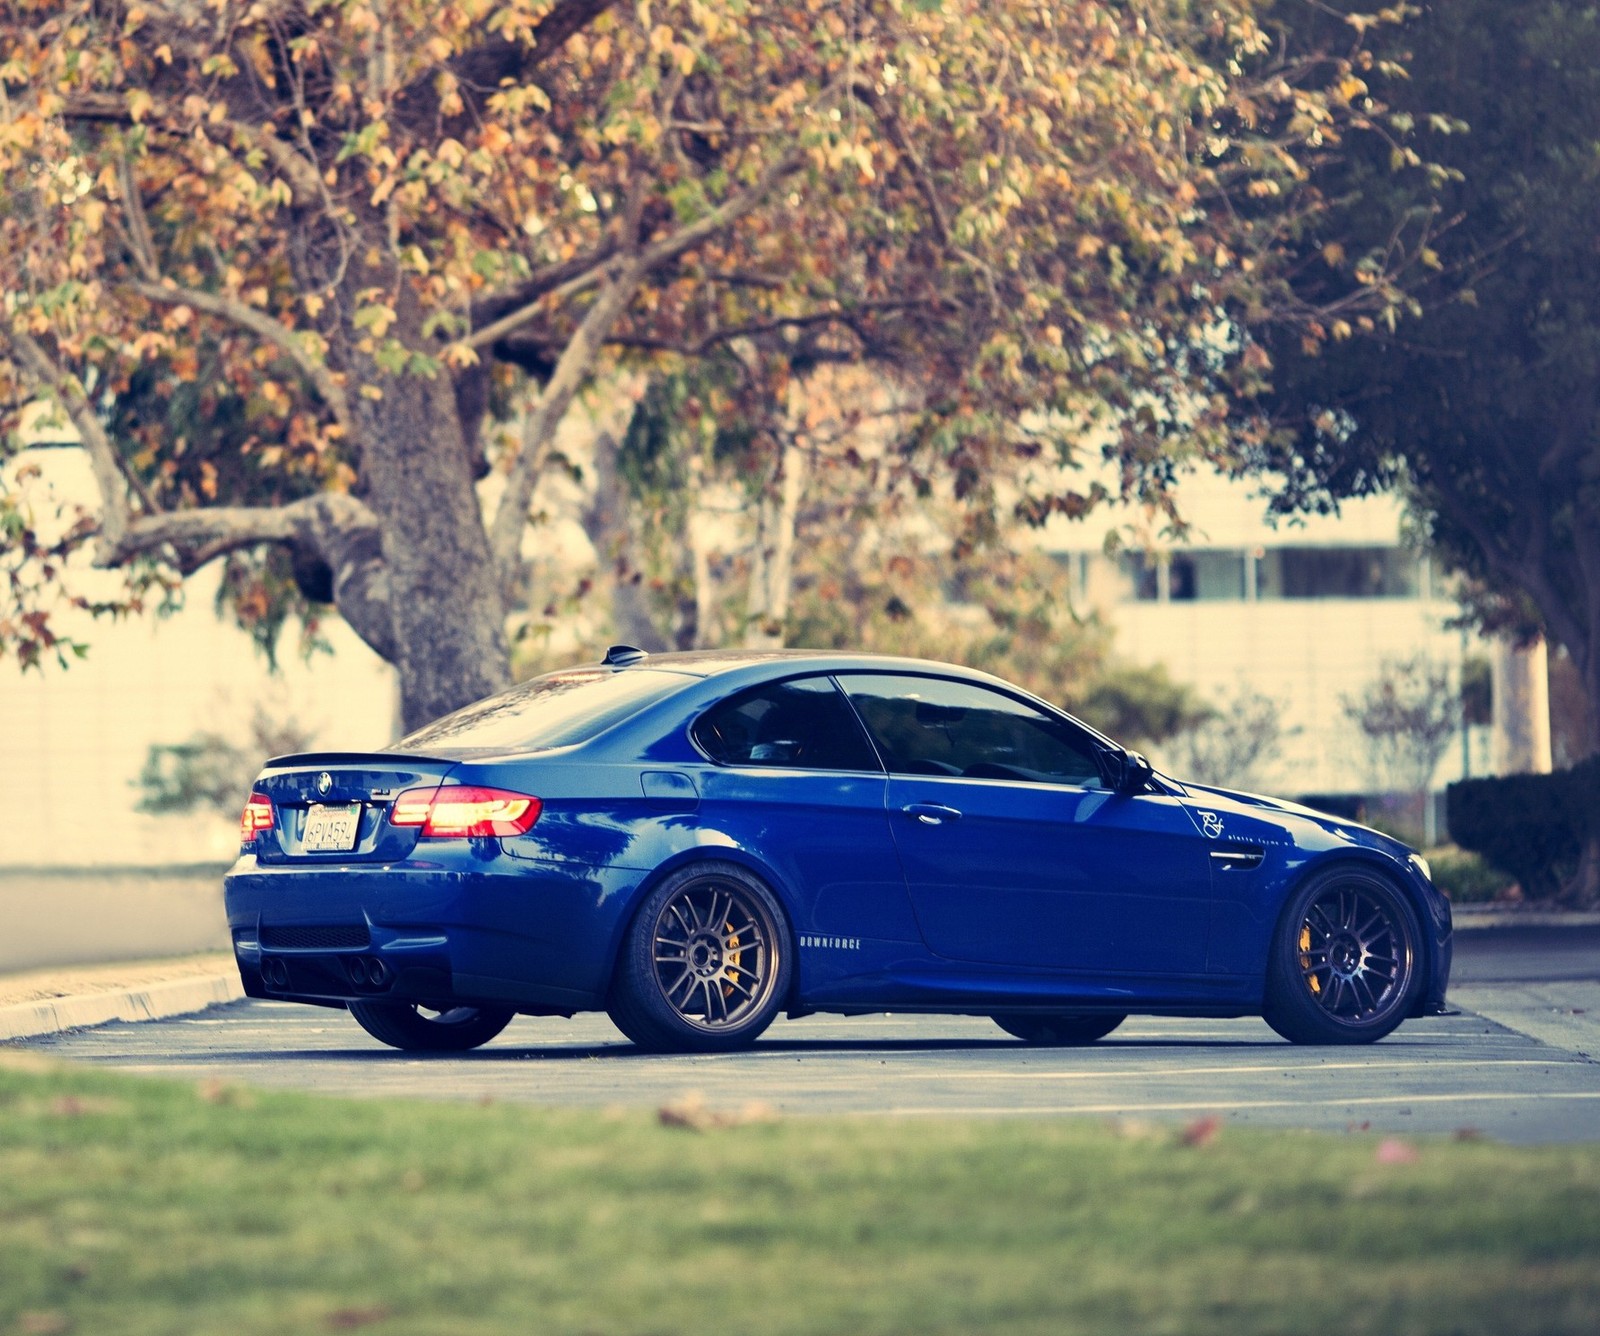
{"x": 1303, "y": 612}
{"x": 73, "y": 740}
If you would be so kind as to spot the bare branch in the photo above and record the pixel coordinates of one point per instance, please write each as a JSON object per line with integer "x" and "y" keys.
{"x": 258, "y": 322}
{"x": 919, "y": 173}
{"x": 336, "y": 528}
{"x": 144, "y": 251}
{"x": 543, "y": 282}
{"x": 68, "y": 391}
{"x": 651, "y": 257}
{"x": 482, "y": 69}
{"x": 572, "y": 369}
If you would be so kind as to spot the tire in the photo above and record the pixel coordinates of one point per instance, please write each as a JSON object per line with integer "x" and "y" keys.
{"x": 422, "y": 1030}
{"x": 706, "y": 963}
{"x": 1345, "y": 962}
{"x": 1061, "y": 1030}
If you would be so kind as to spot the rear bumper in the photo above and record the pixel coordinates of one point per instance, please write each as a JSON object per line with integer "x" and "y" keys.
{"x": 466, "y": 927}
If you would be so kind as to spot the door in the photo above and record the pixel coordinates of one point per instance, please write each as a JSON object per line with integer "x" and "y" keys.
{"x": 1016, "y": 851}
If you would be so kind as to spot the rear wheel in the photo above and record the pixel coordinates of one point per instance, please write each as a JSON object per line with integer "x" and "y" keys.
{"x": 706, "y": 964}
{"x": 1344, "y": 965}
{"x": 1060, "y": 1030}
{"x": 426, "y": 1030}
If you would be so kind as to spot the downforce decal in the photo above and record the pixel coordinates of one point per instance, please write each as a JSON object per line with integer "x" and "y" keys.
{"x": 831, "y": 943}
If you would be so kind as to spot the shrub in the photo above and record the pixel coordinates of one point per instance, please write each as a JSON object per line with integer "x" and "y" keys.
{"x": 1467, "y": 878}
{"x": 1530, "y": 826}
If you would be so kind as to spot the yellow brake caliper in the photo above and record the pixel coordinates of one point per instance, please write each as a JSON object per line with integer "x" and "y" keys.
{"x": 1305, "y": 958}
{"x": 731, "y": 959}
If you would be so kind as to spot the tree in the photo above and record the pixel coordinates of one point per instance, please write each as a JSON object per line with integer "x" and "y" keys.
{"x": 1484, "y": 405}
{"x": 1228, "y": 746}
{"x": 209, "y": 771}
{"x": 1407, "y": 717}
{"x": 343, "y": 236}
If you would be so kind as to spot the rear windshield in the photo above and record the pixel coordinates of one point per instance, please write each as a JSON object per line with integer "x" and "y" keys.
{"x": 555, "y": 710}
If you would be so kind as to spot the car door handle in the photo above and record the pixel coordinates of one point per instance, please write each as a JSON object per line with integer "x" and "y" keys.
{"x": 931, "y": 814}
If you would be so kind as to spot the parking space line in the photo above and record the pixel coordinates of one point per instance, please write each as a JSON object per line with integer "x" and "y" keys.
{"x": 1224, "y": 1106}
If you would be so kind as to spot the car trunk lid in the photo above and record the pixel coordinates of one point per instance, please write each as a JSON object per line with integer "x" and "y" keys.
{"x": 334, "y": 806}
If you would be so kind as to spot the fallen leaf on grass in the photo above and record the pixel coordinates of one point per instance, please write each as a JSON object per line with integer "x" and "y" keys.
{"x": 1391, "y": 1150}
{"x": 1468, "y": 1134}
{"x": 1202, "y": 1131}
{"x": 42, "y": 1323}
{"x": 691, "y": 1112}
{"x": 221, "y": 1093}
{"x": 69, "y": 1106}
{"x": 348, "y": 1319}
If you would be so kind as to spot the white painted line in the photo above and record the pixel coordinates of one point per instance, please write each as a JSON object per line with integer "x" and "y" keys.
{"x": 1412, "y": 1068}
{"x": 1214, "y": 1106}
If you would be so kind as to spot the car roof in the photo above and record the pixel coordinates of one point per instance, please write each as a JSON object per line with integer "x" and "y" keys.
{"x": 715, "y": 662}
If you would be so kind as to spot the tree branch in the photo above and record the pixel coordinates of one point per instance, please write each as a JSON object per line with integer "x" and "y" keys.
{"x": 68, "y": 391}
{"x": 258, "y": 322}
{"x": 338, "y": 529}
{"x": 482, "y": 69}
{"x": 650, "y": 257}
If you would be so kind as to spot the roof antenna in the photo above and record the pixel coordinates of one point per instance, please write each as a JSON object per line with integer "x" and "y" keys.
{"x": 620, "y": 656}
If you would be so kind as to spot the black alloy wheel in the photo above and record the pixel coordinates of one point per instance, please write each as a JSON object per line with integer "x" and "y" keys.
{"x": 1345, "y": 962}
{"x": 420, "y": 1029}
{"x": 706, "y": 964}
{"x": 1060, "y": 1030}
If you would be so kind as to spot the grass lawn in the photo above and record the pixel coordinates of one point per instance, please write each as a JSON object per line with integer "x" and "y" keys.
{"x": 131, "y": 1206}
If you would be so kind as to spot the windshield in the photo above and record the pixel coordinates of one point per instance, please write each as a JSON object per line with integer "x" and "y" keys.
{"x": 555, "y": 710}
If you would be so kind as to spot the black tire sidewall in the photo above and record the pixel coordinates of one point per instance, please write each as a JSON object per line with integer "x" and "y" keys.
{"x": 1067, "y": 1030}
{"x": 1289, "y": 1007}
{"x": 399, "y": 1025}
{"x": 638, "y": 1006}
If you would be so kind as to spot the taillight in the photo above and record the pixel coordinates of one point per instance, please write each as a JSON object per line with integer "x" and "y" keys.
{"x": 257, "y": 817}
{"x": 458, "y": 811}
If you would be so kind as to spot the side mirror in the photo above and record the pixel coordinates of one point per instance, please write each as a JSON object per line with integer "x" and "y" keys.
{"x": 1136, "y": 772}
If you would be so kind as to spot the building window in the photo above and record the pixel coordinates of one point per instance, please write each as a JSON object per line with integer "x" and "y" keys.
{"x": 1337, "y": 572}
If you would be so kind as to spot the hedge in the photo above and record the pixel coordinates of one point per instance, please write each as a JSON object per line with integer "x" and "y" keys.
{"x": 1532, "y": 827}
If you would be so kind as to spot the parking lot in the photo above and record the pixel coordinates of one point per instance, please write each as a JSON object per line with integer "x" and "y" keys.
{"x": 1515, "y": 1064}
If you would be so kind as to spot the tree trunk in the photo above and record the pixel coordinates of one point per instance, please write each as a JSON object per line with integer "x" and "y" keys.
{"x": 606, "y": 524}
{"x": 448, "y": 612}
{"x": 772, "y": 561}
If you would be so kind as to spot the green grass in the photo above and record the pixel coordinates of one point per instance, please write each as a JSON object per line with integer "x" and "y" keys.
{"x": 130, "y": 1206}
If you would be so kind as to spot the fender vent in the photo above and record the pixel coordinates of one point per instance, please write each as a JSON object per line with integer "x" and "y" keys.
{"x": 1239, "y": 857}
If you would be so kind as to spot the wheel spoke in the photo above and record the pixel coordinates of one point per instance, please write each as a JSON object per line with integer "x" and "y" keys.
{"x": 747, "y": 991}
{"x": 676, "y": 910}
{"x": 1378, "y": 916}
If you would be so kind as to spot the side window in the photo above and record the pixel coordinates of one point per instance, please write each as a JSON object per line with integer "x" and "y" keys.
{"x": 805, "y": 724}
{"x": 932, "y": 726}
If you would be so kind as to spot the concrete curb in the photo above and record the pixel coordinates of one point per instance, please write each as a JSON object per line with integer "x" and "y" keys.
{"x": 176, "y": 997}
{"x": 1469, "y": 919}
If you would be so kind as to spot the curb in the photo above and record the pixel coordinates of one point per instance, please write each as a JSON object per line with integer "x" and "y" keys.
{"x": 177, "y": 997}
{"x": 1469, "y": 920}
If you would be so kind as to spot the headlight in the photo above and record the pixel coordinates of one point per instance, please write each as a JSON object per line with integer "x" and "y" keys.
{"x": 1421, "y": 865}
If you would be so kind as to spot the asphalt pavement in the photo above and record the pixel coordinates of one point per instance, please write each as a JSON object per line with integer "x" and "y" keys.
{"x": 1517, "y": 1063}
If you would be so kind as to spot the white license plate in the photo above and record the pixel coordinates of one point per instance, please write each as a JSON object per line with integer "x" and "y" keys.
{"x": 331, "y": 829}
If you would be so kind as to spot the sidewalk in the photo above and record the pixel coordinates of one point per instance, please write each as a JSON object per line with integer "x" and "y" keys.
{"x": 71, "y": 997}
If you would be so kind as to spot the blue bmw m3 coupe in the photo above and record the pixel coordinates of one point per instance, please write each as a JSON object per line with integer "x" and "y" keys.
{"x": 697, "y": 842}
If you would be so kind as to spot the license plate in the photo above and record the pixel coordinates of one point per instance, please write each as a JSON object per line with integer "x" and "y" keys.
{"x": 331, "y": 829}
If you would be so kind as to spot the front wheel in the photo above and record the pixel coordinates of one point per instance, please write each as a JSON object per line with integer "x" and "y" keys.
{"x": 425, "y": 1030}
{"x": 1060, "y": 1030}
{"x": 1344, "y": 966}
{"x": 706, "y": 963}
